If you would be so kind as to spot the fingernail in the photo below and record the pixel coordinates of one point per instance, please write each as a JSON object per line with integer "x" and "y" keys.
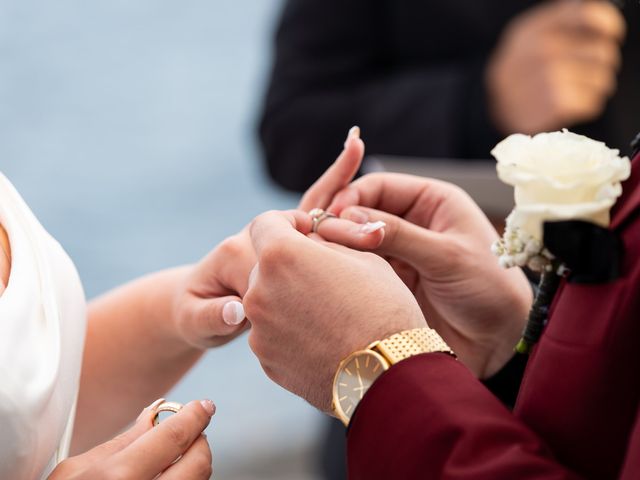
{"x": 233, "y": 313}
{"x": 354, "y": 132}
{"x": 356, "y": 215}
{"x": 370, "y": 227}
{"x": 208, "y": 406}
{"x": 150, "y": 407}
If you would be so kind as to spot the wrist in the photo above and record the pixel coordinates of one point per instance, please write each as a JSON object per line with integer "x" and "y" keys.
{"x": 361, "y": 369}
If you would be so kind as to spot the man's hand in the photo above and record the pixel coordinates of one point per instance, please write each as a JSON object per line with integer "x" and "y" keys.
{"x": 555, "y": 66}
{"x": 312, "y": 303}
{"x": 438, "y": 241}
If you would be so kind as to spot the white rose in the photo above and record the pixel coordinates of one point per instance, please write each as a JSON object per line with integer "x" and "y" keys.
{"x": 559, "y": 176}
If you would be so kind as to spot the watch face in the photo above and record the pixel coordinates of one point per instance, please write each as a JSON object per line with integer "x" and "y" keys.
{"x": 357, "y": 374}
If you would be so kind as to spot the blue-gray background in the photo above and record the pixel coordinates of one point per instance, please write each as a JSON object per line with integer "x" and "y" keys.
{"x": 129, "y": 127}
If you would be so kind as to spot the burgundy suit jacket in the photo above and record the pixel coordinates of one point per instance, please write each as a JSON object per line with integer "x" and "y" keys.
{"x": 577, "y": 412}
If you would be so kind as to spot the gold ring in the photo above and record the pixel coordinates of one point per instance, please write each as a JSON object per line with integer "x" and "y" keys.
{"x": 172, "y": 407}
{"x": 318, "y": 215}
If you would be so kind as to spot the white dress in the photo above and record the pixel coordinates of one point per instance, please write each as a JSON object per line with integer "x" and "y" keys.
{"x": 42, "y": 329}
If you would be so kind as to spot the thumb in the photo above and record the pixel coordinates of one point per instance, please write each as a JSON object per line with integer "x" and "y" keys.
{"x": 143, "y": 424}
{"x": 212, "y": 318}
{"x": 403, "y": 240}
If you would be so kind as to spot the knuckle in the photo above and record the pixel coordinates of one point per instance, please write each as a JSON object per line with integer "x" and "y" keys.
{"x": 255, "y": 344}
{"x": 178, "y": 434}
{"x": 250, "y": 304}
{"x": 202, "y": 467}
{"x": 277, "y": 255}
{"x": 231, "y": 247}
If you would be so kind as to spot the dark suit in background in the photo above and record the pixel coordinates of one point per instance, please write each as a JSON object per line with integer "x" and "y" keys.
{"x": 410, "y": 73}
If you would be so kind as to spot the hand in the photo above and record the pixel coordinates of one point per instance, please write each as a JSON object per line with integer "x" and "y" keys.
{"x": 144, "y": 451}
{"x": 209, "y": 309}
{"x": 438, "y": 242}
{"x": 208, "y": 305}
{"x": 555, "y": 66}
{"x": 312, "y": 303}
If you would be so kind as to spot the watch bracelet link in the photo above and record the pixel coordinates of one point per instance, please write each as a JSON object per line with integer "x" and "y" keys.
{"x": 408, "y": 343}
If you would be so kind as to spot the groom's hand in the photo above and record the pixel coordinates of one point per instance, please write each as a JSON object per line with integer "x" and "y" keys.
{"x": 312, "y": 303}
{"x": 438, "y": 241}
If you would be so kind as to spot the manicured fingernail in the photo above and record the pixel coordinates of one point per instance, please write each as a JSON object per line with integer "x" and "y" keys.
{"x": 209, "y": 406}
{"x": 354, "y": 132}
{"x": 356, "y": 215}
{"x": 370, "y": 227}
{"x": 233, "y": 313}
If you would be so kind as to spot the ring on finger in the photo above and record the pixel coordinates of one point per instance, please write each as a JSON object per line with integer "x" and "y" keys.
{"x": 318, "y": 215}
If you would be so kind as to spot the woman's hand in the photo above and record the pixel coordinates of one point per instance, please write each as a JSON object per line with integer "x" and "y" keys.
{"x": 176, "y": 449}
{"x": 438, "y": 241}
{"x": 208, "y": 305}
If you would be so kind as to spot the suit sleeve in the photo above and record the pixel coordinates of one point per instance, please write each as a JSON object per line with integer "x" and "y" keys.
{"x": 428, "y": 417}
{"x": 334, "y": 68}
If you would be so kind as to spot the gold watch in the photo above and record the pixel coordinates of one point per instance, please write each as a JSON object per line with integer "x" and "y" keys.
{"x": 358, "y": 371}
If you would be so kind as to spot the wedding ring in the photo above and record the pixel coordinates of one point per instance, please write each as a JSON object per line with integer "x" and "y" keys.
{"x": 172, "y": 407}
{"x": 318, "y": 215}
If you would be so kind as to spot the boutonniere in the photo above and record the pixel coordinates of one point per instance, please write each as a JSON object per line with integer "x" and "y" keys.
{"x": 564, "y": 187}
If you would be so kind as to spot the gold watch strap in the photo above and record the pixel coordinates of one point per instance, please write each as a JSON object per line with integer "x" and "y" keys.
{"x": 411, "y": 342}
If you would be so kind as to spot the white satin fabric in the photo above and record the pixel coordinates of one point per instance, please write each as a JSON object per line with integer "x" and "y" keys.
{"x": 42, "y": 328}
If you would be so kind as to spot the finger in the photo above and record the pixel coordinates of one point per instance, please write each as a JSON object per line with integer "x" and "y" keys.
{"x": 404, "y": 240}
{"x": 366, "y": 236}
{"x": 157, "y": 449}
{"x": 337, "y": 176}
{"x": 217, "y": 317}
{"x": 194, "y": 464}
{"x": 591, "y": 52}
{"x": 408, "y": 196}
{"x": 592, "y": 16}
{"x": 226, "y": 269}
{"x": 278, "y": 228}
{"x": 143, "y": 424}
{"x": 597, "y": 80}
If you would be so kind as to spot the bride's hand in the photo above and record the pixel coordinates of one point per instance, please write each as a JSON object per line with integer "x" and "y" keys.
{"x": 144, "y": 452}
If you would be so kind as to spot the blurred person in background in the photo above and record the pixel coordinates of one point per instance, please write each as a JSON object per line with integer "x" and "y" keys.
{"x": 445, "y": 79}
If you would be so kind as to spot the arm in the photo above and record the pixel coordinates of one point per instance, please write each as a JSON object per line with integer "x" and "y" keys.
{"x": 132, "y": 355}
{"x": 336, "y": 70}
{"x": 450, "y": 424}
